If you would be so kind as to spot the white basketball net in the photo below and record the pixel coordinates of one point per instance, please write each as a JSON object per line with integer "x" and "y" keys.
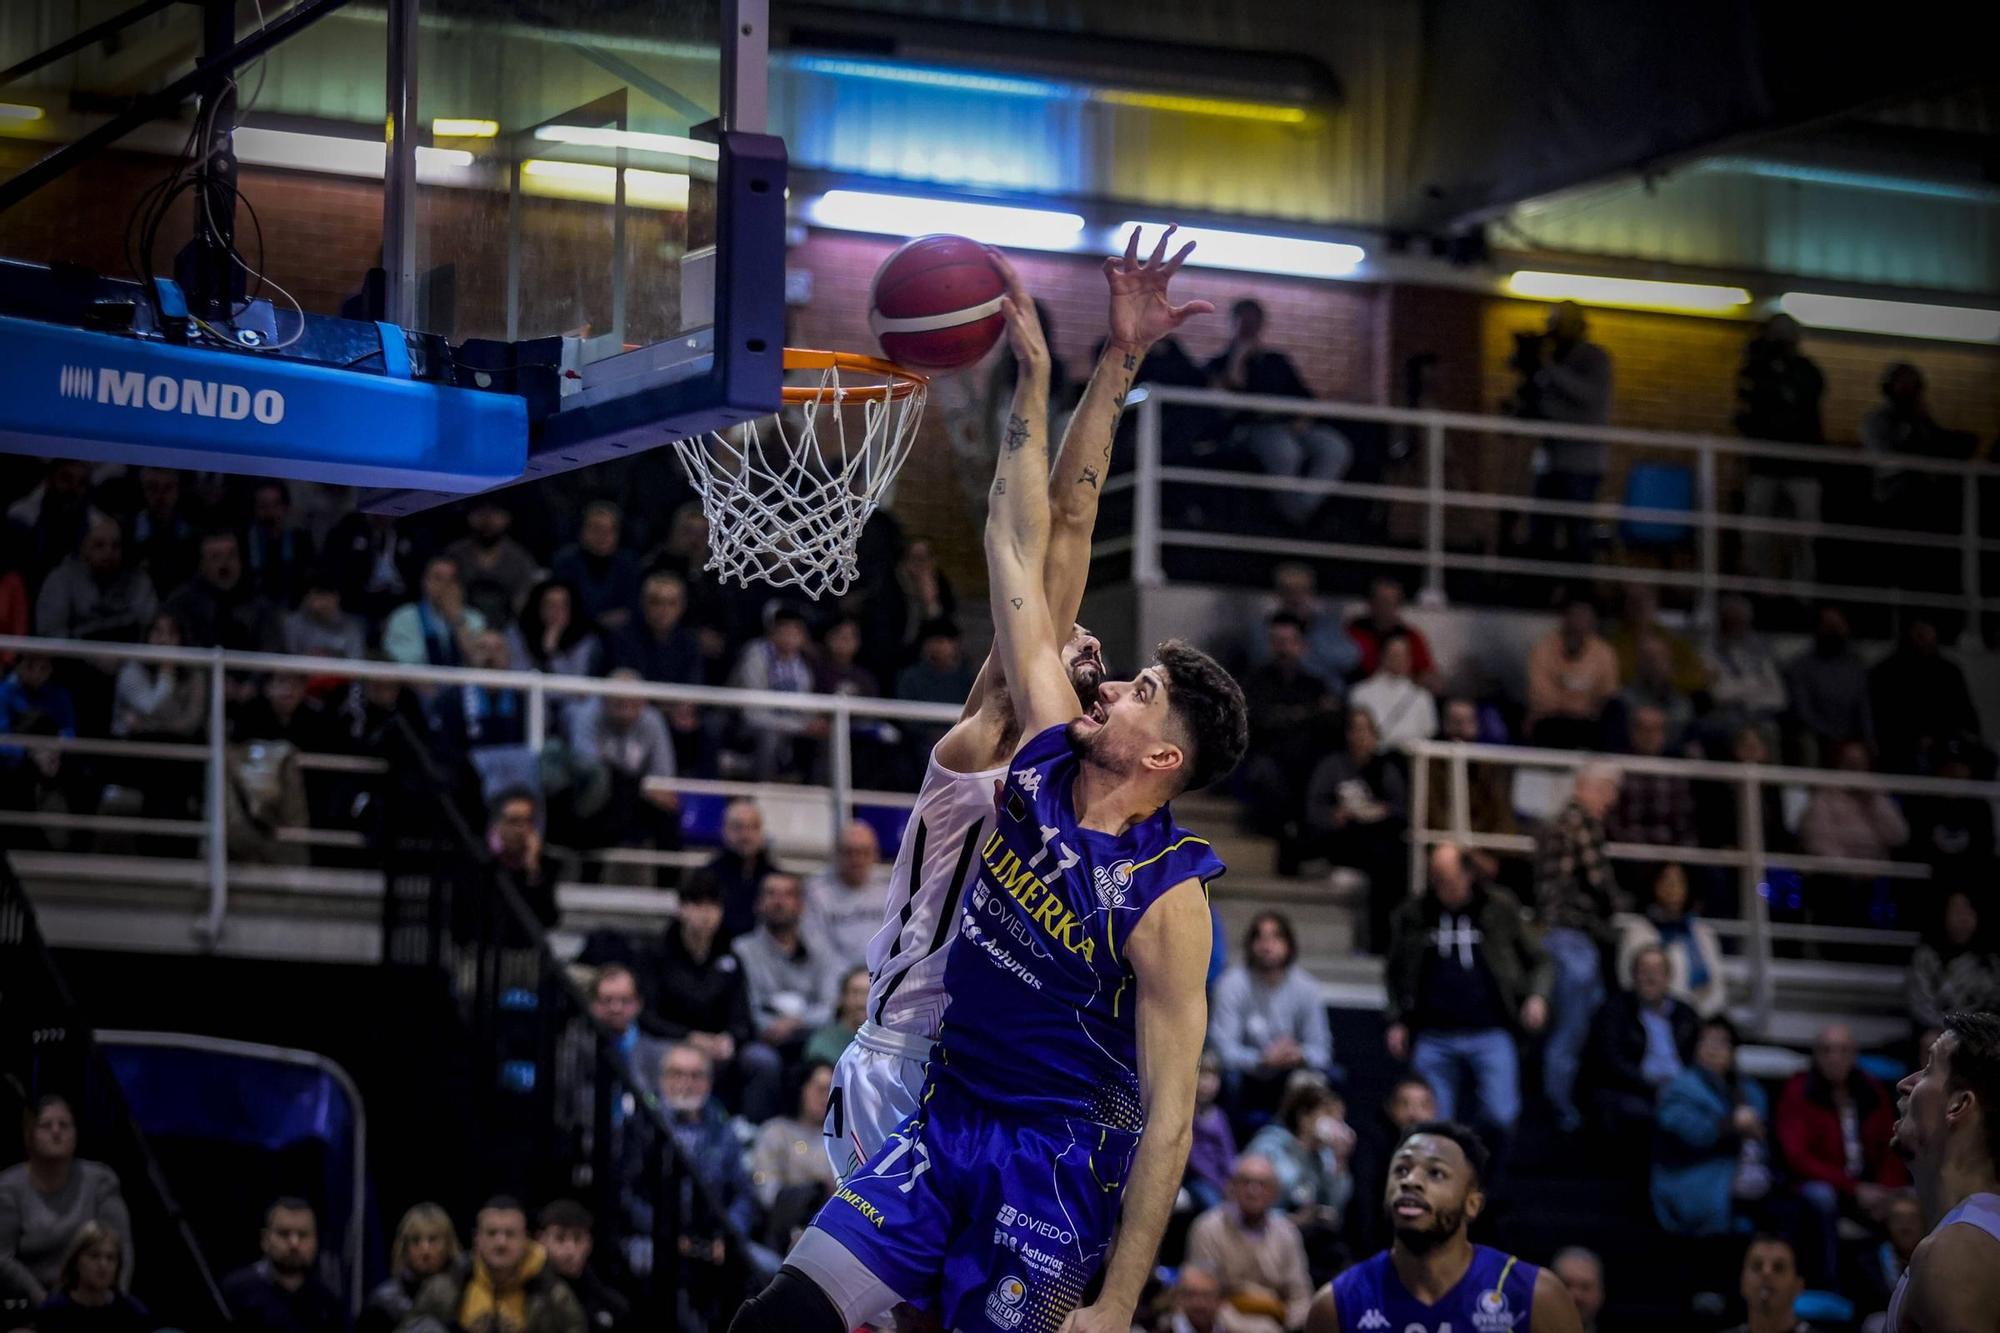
{"x": 786, "y": 497}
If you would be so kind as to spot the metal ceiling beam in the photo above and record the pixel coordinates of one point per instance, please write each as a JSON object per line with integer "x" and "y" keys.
{"x": 95, "y": 33}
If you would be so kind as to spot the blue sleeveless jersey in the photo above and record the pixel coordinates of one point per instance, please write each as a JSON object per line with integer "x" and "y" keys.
{"x": 1041, "y": 1020}
{"x": 1496, "y": 1295}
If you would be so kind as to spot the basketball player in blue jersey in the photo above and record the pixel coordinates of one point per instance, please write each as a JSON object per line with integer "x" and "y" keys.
{"x": 1059, "y": 1105}
{"x": 1432, "y": 1279}
{"x": 1948, "y": 1129}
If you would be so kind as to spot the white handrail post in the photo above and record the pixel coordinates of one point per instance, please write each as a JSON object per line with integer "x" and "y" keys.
{"x": 840, "y": 768}
{"x": 1146, "y": 497}
{"x": 209, "y": 929}
{"x": 1974, "y": 633}
{"x": 1461, "y": 793}
{"x": 1711, "y": 536}
{"x": 1750, "y": 837}
{"x": 1433, "y": 589}
{"x": 1420, "y": 824}
{"x": 538, "y": 717}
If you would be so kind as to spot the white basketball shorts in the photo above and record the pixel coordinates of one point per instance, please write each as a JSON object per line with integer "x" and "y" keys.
{"x": 876, "y": 1087}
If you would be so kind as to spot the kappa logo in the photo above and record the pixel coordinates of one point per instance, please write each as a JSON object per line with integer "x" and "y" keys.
{"x": 1112, "y": 883}
{"x": 170, "y": 393}
{"x": 1372, "y": 1320}
{"x": 1030, "y": 780}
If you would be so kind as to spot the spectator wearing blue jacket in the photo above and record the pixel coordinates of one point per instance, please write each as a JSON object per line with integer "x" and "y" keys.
{"x": 1712, "y": 1155}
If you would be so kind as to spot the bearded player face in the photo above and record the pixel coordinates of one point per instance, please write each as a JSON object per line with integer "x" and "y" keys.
{"x": 1083, "y": 663}
{"x": 1432, "y": 1192}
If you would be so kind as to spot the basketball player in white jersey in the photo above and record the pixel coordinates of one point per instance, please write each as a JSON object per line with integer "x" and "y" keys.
{"x": 1948, "y": 1129}
{"x": 876, "y": 1083}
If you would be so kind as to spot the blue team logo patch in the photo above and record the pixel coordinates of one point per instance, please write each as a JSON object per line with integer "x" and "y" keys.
{"x": 1490, "y": 1313}
{"x": 1006, "y": 1306}
{"x": 1113, "y": 883}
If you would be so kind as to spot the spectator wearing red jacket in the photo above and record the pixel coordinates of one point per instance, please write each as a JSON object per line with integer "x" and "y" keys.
{"x": 1834, "y": 1122}
{"x": 1383, "y": 620}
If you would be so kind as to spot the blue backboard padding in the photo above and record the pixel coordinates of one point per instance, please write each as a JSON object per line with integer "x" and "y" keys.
{"x": 74, "y": 393}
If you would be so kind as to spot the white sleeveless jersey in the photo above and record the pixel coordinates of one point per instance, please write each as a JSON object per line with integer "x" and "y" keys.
{"x": 1978, "y": 1210}
{"x": 954, "y": 812}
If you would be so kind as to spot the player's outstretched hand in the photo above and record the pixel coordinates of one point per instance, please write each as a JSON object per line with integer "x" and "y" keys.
{"x": 1097, "y": 1319}
{"x": 1024, "y": 322}
{"x": 1141, "y": 314}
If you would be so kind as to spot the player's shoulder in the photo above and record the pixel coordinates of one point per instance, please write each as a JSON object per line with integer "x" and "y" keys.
{"x": 1954, "y": 1279}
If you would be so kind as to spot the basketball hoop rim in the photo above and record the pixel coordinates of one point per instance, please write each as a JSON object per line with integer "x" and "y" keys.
{"x": 898, "y": 385}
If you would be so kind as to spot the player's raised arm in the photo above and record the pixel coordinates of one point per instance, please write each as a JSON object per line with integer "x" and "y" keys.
{"x": 1017, "y": 530}
{"x": 1168, "y": 951}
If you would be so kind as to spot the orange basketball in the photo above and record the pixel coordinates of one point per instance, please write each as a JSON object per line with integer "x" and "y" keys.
{"x": 936, "y": 303}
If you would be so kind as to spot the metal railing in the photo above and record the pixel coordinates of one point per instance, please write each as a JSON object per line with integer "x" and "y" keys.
{"x": 1959, "y": 534}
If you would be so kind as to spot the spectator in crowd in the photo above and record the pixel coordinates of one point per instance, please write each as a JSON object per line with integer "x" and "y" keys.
{"x": 1711, "y": 1162}
{"x": 1652, "y": 808}
{"x": 1254, "y": 1249}
{"x": 282, "y": 1292}
{"x": 1919, "y": 700}
{"x": 320, "y": 627}
{"x": 1331, "y": 652}
{"x": 217, "y": 609}
{"x": 1198, "y": 1306}
{"x": 785, "y": 741}
{"x": 1290, "y": 710}
{"x": 568, "y": 1235}
{"x": 1267, "y": 1017}
{"x": 438, "y": 627}
{"x": 93, "y": 594}
{"x": 33, "y": 702}
{"x": 1746, "y": 686}
{"x": 514, "y": 837}
{"x": 87, "y": 1298}
{"x": 1954, "y": 967}
{"x": 48, "y": 1199}
{"x": 1384, "y": 619}
{"x": 940, "y": 675}
{"x": 1574, "y": 897}
{"x": 615, "y": 1005}
{"x": 1463, "y": 977}
{"x": 1778, "y": 393}
{"x": 1833, "y": 1123}
{"x": 507, "y": 1282}
{"x": 844, "y": 901}
{"x": 627, "y": 738}
{"x": 1311, "y": 1149}
{"x": 830, "y": 1039}
{"x": 837, "y": 669}
{"x": 1564, "y": 377}
{"x": 1650, "y": 686}
{"x": 1771, "y": 1285}
{"x": 1905, "y": 1227}
{"x": 1681, "y": 671}
{"x": 1829, "y": 690}
{"x": 488, "y": 558}
{"x": 276, "y": 551}
{"x": 1572, "y": 674}
{"x": 15, "y": 608}
{"x": 605, "y": 576}
{"x": 161, "y": 539}
{"x": 792, "y": 982}
{"x": 790, "y": 1150}
{"x": 1852, "y": 821}
{"x": 1410, "y": 1103}
{"x": 1289, "y": 447}
{"x": 1489, "y": 795}
{"x": 1404, "y": 711}
{"x": 738, "y": 868}
{"x": 376, "y": 563}
{"x": 51, "y": 519}
{"x": 159, "y": 700}
{"x": 1691, "y": 946}
{"x": 918, "y": 594}
{"x": 1357, "y": 809}
{"x": 425, "y": 1245}
{"x": 660, "y": 645}
{"x": 554, "y": 636}
{"x": 1212, "y": 1155}
{"x": 282, "y": 711}
{"x": 478, "y": 717}
{"x": 708, "y": 1143}
{"x": 1582, "y": 1274}
{"x": 1640, "y": 1040}
{"x": 1954, "y": 832}
{"x": 1903, "y": 424}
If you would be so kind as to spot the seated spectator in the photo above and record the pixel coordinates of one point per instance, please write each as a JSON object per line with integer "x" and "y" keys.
{"x": 94, "y": 594}
{"x": 506, "y": 1282}
{"x": 1357, "y": 810}
{"x": 1919, "y": 699}
{"x": 161, "y": 540}
{"x": 514, "y": 837}
{"x": 709, "y": 1145}
{"x": 553, "y": 636}
{"x": 1771, "y": 1286}
{"x": 1582, "y": 1274}
{"x": 217, "y": 609}
{"x": 1254, "y": 1250}
{"x": 792, "y": 982}
{"x": 627, "y": 739}
{"x": 1640, "y": 1040}
{"x": 33, "y": 703}
{"x": 477, "y": 717}
{"x": 160, "y": 700}
{"x": 490, "y": 559}
{"x": 567, "y": 1233}
{"x": 1489, "y": 793}
{"x": 1267, "y": 1017}
{"x": 1834, "y": 1121}
{"x": 276, "y": 551}
{"x": 1891, "y": 1259}
{"x": 739, "y": 866}
{"x": 1290, "y": 713}
{"x": 917, "y": 595}
{"x": 1572, "y": 674}
{"x": 320, "y": 628}
{"x": 1290, "y": 447}
{"x": 1903, "y": 424}
{"x": 1404, "y": 711}
{"x": 1410, "y": 1103}
{"x": 425, "y": 1245}
{"x": 784, "y": 741}
{"x": 52, "y": 518}
{"x": 1332, "y": 652}
{"x": 1198, "y": 1306}
{"x": 1212, "y": 1155}
{"x": 1711, "y": 1159}
{"x": 87, "y": 1298}
{"x": 1954, "y": 967}
{"x": 1650, "y": 685}
{"x": 1311, "y": 1149}
{"x": 282, "y": 711}
{"x": 1954, "y": 833}
{"x": 939, "y": 675}
{"x": 1575, "y": 894}
{"x": 1463, "y": 977}
{"x": 844, "y": 901}
{"x": 1652, "y": 808}
{"x": 790, "y": 1150}
{"x": 1383, "y": 618}
{"x": 437, "y": 629}
{"x": 1681, "y": 671}
{"x": 376, "y": 563}
{"x": 47, "y": 1200}
{"x": 1828, "y": 686}
{"x": 1694, "y": 952}
{"x": 660, "y": 645}
{"x": 1746, "y": 686}
{"x": 1851, "y": 821}
{"x": 282, "y": 1292}
{"x": 830, "y": 1039}
{"x": 606, "y": 577}
{"x": 615, "y": 1006}
{"x": 837, "y": 669}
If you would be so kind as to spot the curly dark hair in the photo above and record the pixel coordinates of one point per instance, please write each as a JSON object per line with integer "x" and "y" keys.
{"x": 1207, "y": 705}
{"x": 1975, "y": 1066}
